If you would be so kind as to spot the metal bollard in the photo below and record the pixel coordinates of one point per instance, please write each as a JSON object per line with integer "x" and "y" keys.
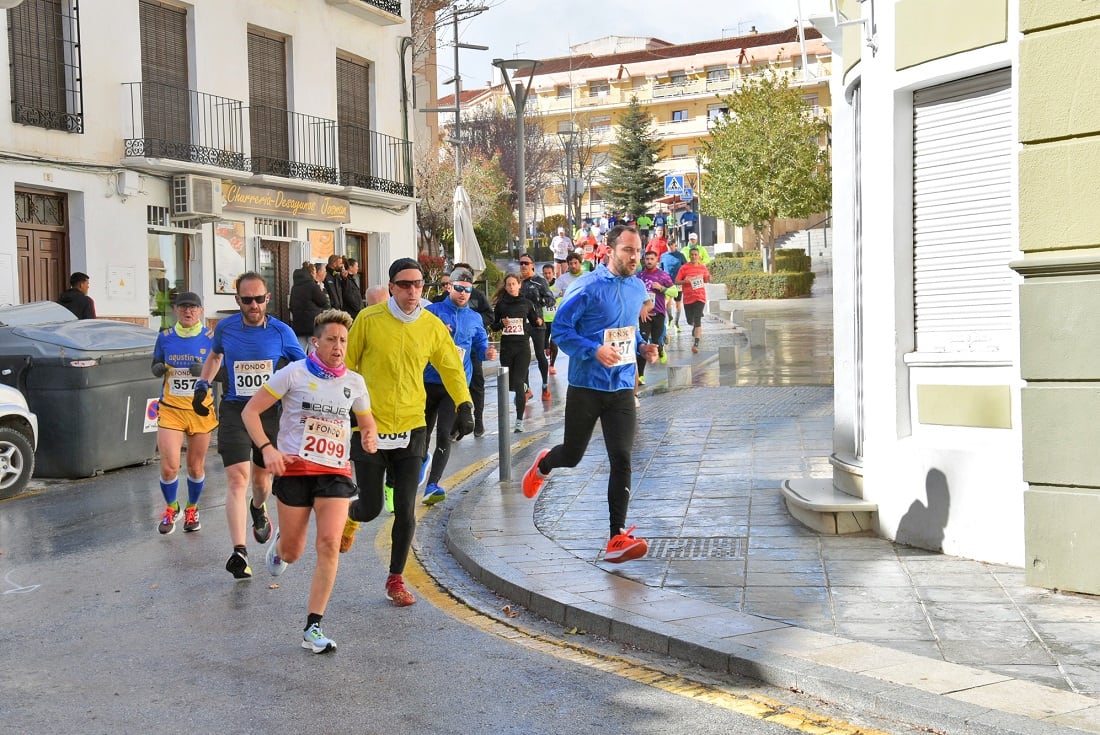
{"x": 504, "y": 446}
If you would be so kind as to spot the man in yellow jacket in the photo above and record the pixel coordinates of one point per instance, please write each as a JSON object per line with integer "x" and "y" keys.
{"x": 389, "y": 345}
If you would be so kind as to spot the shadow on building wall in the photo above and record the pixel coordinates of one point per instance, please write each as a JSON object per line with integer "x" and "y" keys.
{"x": 923, "y": 525}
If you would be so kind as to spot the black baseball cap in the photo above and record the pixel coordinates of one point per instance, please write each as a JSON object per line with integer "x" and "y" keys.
{"x": 404, "y": 264}
{"x": 188, "y": 298}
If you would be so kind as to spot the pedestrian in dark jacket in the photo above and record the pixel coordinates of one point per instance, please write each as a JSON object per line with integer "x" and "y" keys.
{"x": 307, "y": 300}
{"x": 353, "y": 291}
{"x": 334, "y": 281}
{"x": 76, "y": 298}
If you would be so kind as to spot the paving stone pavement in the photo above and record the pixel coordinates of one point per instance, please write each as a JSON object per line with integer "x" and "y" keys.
{"x": 732, "y": 581}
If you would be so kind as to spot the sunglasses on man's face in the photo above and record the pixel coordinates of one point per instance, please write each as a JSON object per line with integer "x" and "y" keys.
{"x": 253, "y": 299}
{"x": 460, "y": 288}
{"x": 526, "y": 262}
{"x": 418, "y": 283}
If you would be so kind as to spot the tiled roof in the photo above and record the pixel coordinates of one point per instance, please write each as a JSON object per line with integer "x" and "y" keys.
{"x": 586, "y": 61}
{"x": 467, "y": 96}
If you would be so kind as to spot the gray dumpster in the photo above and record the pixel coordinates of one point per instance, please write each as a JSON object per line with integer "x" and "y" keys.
{"x": 89, "y": 383}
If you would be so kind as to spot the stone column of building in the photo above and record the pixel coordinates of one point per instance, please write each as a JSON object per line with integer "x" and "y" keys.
{"x": 1059, "y": 185}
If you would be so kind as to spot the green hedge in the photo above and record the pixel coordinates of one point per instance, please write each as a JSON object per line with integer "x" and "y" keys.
{"x": 767, "y": 285}
{"x": 743, "y": 274}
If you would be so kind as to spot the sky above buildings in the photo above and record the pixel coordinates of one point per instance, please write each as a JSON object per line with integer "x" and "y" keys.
{"x": 540, "y": 29}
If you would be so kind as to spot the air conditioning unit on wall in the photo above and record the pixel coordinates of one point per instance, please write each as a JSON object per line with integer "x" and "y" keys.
{"x": 196, "y": 197}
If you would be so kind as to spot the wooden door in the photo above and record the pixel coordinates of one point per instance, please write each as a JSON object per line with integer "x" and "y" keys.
{"x": 43, "y": 264}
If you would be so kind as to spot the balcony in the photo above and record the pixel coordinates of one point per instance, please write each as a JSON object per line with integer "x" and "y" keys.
{"x": 183, "y": 131}
{"x": 371, "y": 160}
{"x": 292, "y": 145}
{"x": 184, "y": 125}
{"x": 379, "y": 12}
{"x": 679, "y": 89}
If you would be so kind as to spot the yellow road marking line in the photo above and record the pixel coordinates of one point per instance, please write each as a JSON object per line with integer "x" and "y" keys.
{"x": 755, "y": 706}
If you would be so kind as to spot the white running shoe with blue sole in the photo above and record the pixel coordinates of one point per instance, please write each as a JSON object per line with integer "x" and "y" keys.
{"x": 275, "y": 565}
{"x": 314, "y": 639}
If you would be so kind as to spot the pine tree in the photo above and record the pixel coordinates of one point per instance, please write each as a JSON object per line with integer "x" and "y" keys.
{"x": 632, "y": 182}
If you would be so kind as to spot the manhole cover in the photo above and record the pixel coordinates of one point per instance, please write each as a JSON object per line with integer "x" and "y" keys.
{"x": 705, "y": 547}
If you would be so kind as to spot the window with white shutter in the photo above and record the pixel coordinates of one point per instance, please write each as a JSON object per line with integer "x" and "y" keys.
{"x": 964, "y": 290}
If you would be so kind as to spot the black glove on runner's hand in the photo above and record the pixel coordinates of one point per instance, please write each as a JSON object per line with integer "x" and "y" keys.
{"x": 159, "y": 369}
{"x": 464, "y": 421}
{"x": 202, "y": 389}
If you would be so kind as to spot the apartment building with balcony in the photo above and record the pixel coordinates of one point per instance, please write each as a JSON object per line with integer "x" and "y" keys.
{"x": 162, "y": 147}
{"x": 681, "y": 86}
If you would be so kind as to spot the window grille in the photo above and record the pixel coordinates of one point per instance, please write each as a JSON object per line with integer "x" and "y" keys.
{"x": 273, "y": 227}
{"x": 158, "y": 216}
{"x": 44, "y": 54}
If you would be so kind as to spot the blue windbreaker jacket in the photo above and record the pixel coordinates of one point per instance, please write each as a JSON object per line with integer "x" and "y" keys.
{"x": 597, "y": 301}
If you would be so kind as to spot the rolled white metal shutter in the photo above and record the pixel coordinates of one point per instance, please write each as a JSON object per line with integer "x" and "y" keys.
{"x": 962, "y": 215}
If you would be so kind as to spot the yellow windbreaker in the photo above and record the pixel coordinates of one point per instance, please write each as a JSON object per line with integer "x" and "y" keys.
{"x": 391, "y": 356}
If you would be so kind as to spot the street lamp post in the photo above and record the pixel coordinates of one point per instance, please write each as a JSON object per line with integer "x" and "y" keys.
{"x": 518, "y": 92}
{"x": 565, "y": 135}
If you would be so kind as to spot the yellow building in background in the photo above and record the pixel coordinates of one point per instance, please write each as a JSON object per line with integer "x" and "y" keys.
{"x": 680, "y": 85}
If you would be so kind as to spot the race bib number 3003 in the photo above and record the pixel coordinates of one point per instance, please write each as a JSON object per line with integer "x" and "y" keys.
{"x": 249, "y": 375}
{"x": 622, "y": 339}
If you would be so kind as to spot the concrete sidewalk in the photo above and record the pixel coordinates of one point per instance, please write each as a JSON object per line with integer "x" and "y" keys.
{"x": 733, "y": 582}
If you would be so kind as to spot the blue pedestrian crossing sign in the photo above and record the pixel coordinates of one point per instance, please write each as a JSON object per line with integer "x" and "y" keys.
{"x": 674, "y": 185}
{"x": 687, "y": 195}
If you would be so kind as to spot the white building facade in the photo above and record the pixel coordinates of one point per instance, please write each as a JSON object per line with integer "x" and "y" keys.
{"x": 162, "y": 147}
{"x": 928, "y": 386}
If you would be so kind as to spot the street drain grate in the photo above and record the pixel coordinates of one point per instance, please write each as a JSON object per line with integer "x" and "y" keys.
{"x": 703, "y": 547}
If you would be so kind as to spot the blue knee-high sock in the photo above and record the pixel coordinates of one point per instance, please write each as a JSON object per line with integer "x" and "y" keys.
{"x": 194, "y": 489}
{"x": 170, "y": 489}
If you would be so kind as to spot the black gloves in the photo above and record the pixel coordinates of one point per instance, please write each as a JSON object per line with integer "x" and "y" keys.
{"x": 159, "y": 369}
{"x": 202, "y": 389}
{"x": 196, "y": 369}
{"x": 464, "y": 421}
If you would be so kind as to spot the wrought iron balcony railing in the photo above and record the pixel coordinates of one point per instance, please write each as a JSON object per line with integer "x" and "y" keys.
{"x": 371, "y": 160}
{"x": 184, "y": 125}
{"x": 291, "y": 144}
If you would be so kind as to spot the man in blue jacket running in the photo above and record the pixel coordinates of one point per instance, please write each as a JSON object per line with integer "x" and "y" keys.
{"x": 597, "y": 326}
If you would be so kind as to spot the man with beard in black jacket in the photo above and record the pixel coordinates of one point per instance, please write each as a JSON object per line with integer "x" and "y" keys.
{"x": 479, "y": 302}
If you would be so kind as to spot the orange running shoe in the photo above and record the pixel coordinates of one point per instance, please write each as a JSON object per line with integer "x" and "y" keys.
{"x": 397, "y": 592}
{"x": 347, "y": 538}
{"x": 624, "y": 547}
{"x": 533, "y": 479}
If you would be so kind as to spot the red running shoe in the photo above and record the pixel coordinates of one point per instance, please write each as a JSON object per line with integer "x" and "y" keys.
{"x": 624, "y": 547}
{"x": 396, "y": 591}
{"x": 545, "y": 393}
{"x": 533, "y": 479}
